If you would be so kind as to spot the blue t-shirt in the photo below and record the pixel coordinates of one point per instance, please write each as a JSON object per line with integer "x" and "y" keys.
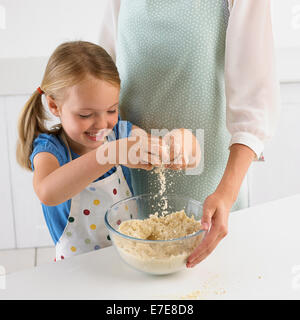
{"x": 57, "y": 216}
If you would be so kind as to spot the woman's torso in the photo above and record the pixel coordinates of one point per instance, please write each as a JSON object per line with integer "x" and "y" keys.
{"x": 170, "y": 55}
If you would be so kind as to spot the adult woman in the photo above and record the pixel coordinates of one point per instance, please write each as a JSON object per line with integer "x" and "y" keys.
{"x": 205, "y": 64}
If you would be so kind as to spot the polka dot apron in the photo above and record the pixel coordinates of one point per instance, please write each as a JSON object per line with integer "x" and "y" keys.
{"x": 170, "y": 56}
{"x": 85, "y": 230}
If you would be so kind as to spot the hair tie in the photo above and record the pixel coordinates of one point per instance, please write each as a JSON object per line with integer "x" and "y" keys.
{"x": 40, "y": 90}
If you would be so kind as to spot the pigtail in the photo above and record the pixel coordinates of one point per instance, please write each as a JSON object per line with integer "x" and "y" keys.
{"x": 31, "y": 123}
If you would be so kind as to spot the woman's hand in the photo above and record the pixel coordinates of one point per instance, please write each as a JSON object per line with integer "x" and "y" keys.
{"x": 216, "y": 209}
{"x": 217, "y": 206}
{"x": 184, "y": 149}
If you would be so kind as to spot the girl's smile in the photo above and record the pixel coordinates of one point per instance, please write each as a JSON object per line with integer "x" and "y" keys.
{"x": 88, "y": 113}
{"x": 99, "y": 135}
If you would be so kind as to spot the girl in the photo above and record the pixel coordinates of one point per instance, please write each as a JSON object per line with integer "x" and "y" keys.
{"x": 81, "y": 86}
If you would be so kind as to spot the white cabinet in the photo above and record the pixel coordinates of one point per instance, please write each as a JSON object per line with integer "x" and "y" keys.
{"x": 26, "y": 223}
{"x": 7, "y": 235}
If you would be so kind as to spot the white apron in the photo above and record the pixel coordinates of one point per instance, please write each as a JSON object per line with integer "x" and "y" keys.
{"x": 85, "y": 230}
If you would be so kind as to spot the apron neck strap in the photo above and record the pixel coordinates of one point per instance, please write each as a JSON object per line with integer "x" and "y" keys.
{"x": 64, "y": 139}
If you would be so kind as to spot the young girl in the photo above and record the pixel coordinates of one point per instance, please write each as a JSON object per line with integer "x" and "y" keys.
{"x": 81, "y": 86}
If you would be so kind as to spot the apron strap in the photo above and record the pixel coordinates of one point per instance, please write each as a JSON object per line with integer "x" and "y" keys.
{"x": 64, "y": 139}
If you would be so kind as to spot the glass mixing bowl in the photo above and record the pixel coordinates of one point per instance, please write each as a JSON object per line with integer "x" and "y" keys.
{"x": 153, "y": 256}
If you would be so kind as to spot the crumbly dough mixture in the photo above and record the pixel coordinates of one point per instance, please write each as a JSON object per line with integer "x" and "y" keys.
{"x": 172, "y": 226}
{"x": 158, "y": 257}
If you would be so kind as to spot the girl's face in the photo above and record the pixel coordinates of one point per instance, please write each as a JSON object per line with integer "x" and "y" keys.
{"x": 88, "y": 107}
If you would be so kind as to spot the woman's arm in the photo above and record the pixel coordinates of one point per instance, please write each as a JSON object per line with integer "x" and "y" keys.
{"x": 239, "y": 161}
{"x": 216, "y": 207}
{"x": 252, "y": 95}
{"x": 251, "y": 83}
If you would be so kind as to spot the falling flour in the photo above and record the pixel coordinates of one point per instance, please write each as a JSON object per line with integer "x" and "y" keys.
{"x": 163, "y": 204}
{"x": 161, "y": 171}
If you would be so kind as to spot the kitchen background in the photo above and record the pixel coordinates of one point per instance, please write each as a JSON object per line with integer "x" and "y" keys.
{"x": 29, "y": 32}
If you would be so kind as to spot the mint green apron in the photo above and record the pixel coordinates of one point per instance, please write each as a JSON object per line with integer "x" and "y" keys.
{"x": 170, "y": 55}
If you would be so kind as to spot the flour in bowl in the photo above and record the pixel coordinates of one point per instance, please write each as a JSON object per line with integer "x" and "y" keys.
{"x": 159, "y": 257}
{"x": 171, "y": 226}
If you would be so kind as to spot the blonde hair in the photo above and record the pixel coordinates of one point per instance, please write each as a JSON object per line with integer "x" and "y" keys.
{"x": 69, "y": 64}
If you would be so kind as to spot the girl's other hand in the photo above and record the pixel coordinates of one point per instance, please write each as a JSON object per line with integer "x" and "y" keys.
{"x": 184, "y": 149}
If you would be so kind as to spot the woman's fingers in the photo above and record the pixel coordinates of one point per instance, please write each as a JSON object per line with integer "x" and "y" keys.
{"x": 215, "y": 216}
{"x": 205, "y": 248}
{"x": 210, "y": 237}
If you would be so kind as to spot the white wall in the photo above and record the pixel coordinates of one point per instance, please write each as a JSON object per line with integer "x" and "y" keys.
{"x": 286, "y": 23}
{"x": 34, "y": 28}
{"x": 286, "y": 30}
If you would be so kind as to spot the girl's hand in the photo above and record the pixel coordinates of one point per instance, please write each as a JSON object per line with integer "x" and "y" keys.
{"x": 142, "y": 152}
{"x": 184, "y": 149}
{"x": 216, "y": 209}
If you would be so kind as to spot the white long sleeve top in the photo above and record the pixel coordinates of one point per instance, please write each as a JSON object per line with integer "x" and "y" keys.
{"x": 251, "y": 83}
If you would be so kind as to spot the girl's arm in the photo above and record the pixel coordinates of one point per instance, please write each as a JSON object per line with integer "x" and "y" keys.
{"x": 54, "y": 184}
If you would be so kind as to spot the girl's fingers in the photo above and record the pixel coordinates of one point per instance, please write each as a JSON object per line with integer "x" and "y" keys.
{"x": 175, "y": 167}
{"x": 174, "y": 149}
{"x": 144, "y": 166}
{"x": 154, "y": 150}
{"x": 148, "y": 167}
{"x": 150, "y": 158}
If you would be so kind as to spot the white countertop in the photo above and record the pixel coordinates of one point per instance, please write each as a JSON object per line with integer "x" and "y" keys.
{"x": 259, "y": 259}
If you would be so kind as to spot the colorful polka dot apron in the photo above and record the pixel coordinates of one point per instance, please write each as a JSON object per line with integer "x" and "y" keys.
{"x": 170, "y": 56}
{"x": 85, "y": 230}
